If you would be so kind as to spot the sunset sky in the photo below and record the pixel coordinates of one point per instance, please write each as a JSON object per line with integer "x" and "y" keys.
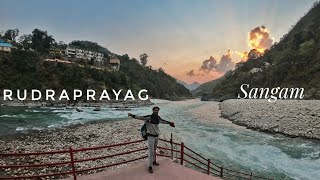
{"x": 177, "y": 35}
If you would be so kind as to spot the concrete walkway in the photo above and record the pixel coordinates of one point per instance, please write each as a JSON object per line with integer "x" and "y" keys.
{"x": 166, "y": 171}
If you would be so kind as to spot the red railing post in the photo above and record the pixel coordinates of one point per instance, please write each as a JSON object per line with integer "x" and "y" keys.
{"x": 72, "y": 164}
{"x": 250, "y": 176}
{"x": 208, "y": 171}
{"x": 221, "y": 171}
{"x": 171, "y": 146}
{"x": 181, "y": 153}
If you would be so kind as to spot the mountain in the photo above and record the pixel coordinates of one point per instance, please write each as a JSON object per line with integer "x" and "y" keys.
{"x": 192, "y": 86}
{"x": 293, "y": 62}
{"x": 157, "y": 82}
{"x": 27, "y": 70}
{"x": 206, "y": 88}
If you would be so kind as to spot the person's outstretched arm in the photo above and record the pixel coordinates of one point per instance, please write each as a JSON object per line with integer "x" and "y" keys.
{"x": 166, "y": 122}
{"x": 143, "y": 118}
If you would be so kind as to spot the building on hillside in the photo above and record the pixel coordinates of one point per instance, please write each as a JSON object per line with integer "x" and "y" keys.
{"x": 70, "y": 52}
{"x": 4, "y": 46}
{"x": 56, "y": 51}
{"x": 115, "y": 64}
{"x": 76, "y": 52}
{"x": 255, "y": 70}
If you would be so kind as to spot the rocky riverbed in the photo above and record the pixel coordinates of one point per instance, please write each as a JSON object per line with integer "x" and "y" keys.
{"x": 80, "y": 136}
{"x": 296, "y": 118}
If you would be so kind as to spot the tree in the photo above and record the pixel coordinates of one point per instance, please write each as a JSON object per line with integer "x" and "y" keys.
{"x": 90, "y": 46}
{"x": 143, "y": 59}
{"x": 126, "y": 57}
{"x": 26, "y": 41}
{"x": 11, "y": 34}
{"x": 62, "y": 45}
{"x": 41, "y": 41}
{"x": 91, "y": 62}
{"x": 161, "y": 70}
{"x": 135, "y": 60}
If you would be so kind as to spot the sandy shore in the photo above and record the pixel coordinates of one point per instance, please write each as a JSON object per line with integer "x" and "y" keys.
{"x": 296, "y": 118}
{"x": 89, "y": 135}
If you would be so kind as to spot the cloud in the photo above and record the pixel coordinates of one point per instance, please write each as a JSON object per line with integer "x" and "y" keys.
{"x": 209, "y": 64}
{"x": 225, "y": 64}
{"x": 259, "y": 38}
{"x": 192, "y": 73}
{"x": 212, "y": 64}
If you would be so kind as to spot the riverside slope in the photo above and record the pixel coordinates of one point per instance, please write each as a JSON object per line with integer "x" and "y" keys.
{"x": 296, "y": 118}
{"x": 80, "y": 136}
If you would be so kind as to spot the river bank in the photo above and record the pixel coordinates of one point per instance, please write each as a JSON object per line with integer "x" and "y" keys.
{"x": 79, "y": 136}
{"x": 198, "y": 124}
{"x": 295, "y": 118}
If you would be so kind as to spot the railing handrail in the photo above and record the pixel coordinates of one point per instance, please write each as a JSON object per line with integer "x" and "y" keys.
{"x": 74, "y": 171}
{"x": 71, "y": 162}
{"x": 195, "y": 153}
{"x": 181, "y": 158}
{"x": 110, "y": 165}
{"x": 107, "y": 146}
{"x": 67, "y": 151}
{"x": 35, "y": 165}
{"x": 109, "y": 156}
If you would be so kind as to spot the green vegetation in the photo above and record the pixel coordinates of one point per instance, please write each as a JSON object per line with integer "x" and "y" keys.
{"x": 90, "y": 46}
{"x": 11, "y": 34}
{"x": 41, "y": 41}
{"x": 294, "y": 62}
{"x": 25, "y": 69}
{"x": 157, "y": 82}
{"x": 143, "y": 59}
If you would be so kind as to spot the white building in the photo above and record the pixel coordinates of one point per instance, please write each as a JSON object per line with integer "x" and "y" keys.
{"x": 255, "y": 70}
{"x": 75, "y": 52}
{"x": 115, "y": 64}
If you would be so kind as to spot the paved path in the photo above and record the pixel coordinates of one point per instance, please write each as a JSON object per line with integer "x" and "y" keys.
{"x": 166, "y": 171}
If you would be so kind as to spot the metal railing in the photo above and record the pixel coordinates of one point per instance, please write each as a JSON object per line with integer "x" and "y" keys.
{"x": 201, "y": 163}
{"x": 205, "y": 165}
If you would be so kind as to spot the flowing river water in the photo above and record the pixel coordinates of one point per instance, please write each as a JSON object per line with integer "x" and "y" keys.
{"x": 200, "y": 127}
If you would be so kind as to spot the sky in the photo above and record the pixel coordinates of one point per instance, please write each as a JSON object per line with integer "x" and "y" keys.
{"x": 177, "y": 35}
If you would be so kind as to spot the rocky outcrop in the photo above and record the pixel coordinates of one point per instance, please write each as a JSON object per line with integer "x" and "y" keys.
{"x": 296, "y": 118}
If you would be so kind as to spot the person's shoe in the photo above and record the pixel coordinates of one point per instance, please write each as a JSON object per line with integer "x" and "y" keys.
{"x": 156, "y": 164}
{"x": 150, "y": 170}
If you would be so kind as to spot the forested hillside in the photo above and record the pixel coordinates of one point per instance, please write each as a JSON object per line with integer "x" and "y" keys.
{"x": 25, "y": 68}
{"x": 293, "y": 62}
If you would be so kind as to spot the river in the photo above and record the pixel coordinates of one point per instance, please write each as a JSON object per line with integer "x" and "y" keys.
{"x": 200, "y": 127}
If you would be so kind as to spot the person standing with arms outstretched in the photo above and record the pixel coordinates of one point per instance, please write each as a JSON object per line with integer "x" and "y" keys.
{"x": 152, "y": 123}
